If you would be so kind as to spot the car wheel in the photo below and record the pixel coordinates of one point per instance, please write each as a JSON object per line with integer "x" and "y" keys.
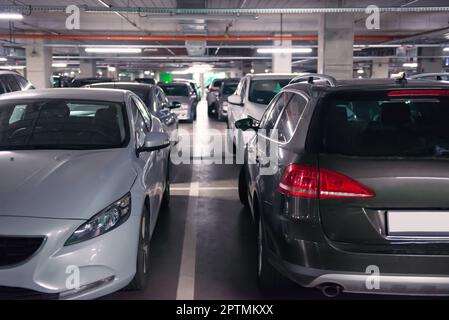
{"x": 166, "y": 197}
{"x": 270, "y": 280}
{"x": 139, "y": 281}
{"x": 243, "y": 188}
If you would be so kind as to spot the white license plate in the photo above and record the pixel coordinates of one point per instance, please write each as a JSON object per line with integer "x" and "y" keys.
{"x": 424, "y": 224}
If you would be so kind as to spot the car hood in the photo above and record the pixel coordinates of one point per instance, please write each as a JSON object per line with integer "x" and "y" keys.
{"x": 63, "y": 184}
{"x": 255, "y": 110}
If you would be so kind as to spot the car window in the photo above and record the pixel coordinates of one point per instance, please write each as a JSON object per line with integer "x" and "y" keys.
{"x": 143, "y": 111}
{"x": 12, "y": 82}
{"x": 289, "y": 119}
{"x": 217, "y": 83}
{"x": 263, "y": 91}
{"x": 140, "y": 125}
{"x": 23, "y": 82}
{"x": 176, "y": 90}
{"x": 62, "y": 124}
{"x": 229, "y": 88}
{"x": 3, "y": 88}
{"x": 273, "y": 113}
{"x": 374, "y": 124}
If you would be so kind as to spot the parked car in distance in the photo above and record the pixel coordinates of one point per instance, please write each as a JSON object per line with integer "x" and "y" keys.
{"x": 183, "y": 94}
{"x": 441, "y": 76}
{"x": 155, "y": 100}
{"x": 81, "y": 82}
{"x": 253, "y": 94}
{"x": 351, "y": 193}
{"x": 213, "y": 91}
{"x": 11, "y": 81}
{"x": 194, "y": 86}
{"x": 219, "y": 108}
{"x": 145, "y": 80}
{"x": 81, "y": 190}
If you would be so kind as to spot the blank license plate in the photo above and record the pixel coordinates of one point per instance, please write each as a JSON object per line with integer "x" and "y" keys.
{"x": 409, "y": 223}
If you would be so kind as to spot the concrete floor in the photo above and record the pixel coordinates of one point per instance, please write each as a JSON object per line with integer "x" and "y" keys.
{"x": 204, "y": 245}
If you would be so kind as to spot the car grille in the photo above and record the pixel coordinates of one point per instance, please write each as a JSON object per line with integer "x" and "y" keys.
{"x": 11, "y": 293}
{"x": 15, "y": 250}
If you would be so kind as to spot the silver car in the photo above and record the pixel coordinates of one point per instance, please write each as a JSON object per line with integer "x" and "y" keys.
{"x": 84, "y": 173}
{"x": 181, "y": 93}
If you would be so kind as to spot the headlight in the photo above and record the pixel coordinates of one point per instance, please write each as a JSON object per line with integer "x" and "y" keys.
{"x": 105, "y": 221}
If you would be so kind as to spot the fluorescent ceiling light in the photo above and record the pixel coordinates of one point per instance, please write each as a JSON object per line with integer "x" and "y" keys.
{"x": 59, "y": 65}
{"x": 113, "y": 50}
{"x": 10, "y": 16}
{"x": 147, "y": 73}
{"x": 3, "y": 59}
{"x": 410, "y": 65}
{"x": 446, "y": 49}
{"x": 12, "y": 67}
{"x": 112, "y": 69}
{"x": 252, "y": 71}
{"x": 360, "y": 71}
{"x": 284, "y": 50}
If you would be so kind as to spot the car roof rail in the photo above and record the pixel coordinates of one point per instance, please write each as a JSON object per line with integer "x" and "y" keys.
{"x": 311, "y": 77}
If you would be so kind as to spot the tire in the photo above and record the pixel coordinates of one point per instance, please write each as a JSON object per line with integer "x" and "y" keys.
{"x": 243, "y": 188}
{"x": 166, "y": 197}
{"x": 140, "y": 279}
{"x": 270, "y": 280}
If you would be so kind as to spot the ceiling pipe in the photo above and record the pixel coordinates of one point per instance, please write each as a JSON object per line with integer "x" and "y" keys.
{"x": 186, "y": 38}
{"x": 219, "y": 11}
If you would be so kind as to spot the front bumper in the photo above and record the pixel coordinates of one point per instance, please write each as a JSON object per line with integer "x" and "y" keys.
{"x": 104, "y": 264}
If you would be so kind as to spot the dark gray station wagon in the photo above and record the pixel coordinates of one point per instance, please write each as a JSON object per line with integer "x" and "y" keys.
{"x": 359, "y": 198}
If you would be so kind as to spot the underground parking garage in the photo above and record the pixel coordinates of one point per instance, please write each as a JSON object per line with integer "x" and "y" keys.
{"x": 224, "y": 150}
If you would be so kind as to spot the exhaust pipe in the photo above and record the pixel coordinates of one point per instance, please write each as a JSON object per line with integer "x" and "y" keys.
{"x": 331, "y": 290}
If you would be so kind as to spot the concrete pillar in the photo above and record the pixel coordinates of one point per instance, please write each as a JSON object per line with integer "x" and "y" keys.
{"x": 38, "y": 65}
{"x": 380, "y": 69}
{"x": 428, "y": 65}
{"x": 259, "y": 67}
{"x": 282, "y": 62}
{"x": 88, "y": 68}
{"x": 335, "y": 45}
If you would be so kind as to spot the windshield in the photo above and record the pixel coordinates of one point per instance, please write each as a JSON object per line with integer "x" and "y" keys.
{"x": 62, "y": 124}
{"x": 369, "y": 124}
{"x": 229, "y": 87}
{"x": 175, "y": 90}
{"x": 263, "y": 91}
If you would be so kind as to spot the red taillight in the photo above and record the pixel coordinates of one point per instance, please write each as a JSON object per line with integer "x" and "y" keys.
{"x": 214, "y": 89}
{"x": 419, "y": 93}
{"x": 311, "y": 182}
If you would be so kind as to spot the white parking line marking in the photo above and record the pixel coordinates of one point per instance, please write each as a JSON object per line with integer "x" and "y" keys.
{"x": 186, "y": 280}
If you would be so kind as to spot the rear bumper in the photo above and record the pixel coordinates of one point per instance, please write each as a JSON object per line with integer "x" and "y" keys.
{"x": 365, "y": 282}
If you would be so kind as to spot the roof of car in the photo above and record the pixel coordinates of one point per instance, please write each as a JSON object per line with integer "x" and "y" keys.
{"x": 175, "y": 83}
{"x": 117, "y": 85}
{"x": 419, "y": 75}
{"x": 113, "y": 95}
{"x": 267, "y": 76}
{"x": 370, "y": 84}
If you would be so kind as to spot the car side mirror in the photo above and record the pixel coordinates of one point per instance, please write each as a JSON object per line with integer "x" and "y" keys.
{"x": 246, "y": 124}
{"x": 235, "y": 99}
{"x": 154, "y": 141}
{"x": 175, "y": 105}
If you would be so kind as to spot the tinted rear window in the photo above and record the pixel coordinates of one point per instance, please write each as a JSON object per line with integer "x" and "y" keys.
{"x": 263, "y": 91}
{"x": 229, "y": 87}
{"x": 373, "y": 124}
{"x": 175, "y": 90}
